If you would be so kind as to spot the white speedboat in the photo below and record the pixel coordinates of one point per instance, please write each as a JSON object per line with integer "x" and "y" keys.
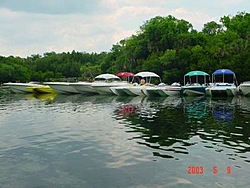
{"x": 21, "y": 87}
{"x": 151, "y": 91}
{"x": 221, "y": 90}
{"x": 84, "y": 87}
{"x": 146, "y": 79}
{"x": 134, "y": 90}
{"x": 244, "y": 88}
{"x": 172, "y": 90}
{"x": 223, "y": 84}
{"x": 159, "y": 90}
{"x": 195, "y": 83}
{"x": 119, "y": 90}
{"x": 107, "y": 81}
{"x": 62, "y": 87}
{"x": 104, "y": 88}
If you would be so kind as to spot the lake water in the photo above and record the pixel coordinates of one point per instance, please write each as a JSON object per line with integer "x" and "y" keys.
{"x": 107, "y": 141}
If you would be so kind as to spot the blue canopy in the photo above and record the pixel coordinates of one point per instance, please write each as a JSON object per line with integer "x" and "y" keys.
{"x": 223, "y": 71}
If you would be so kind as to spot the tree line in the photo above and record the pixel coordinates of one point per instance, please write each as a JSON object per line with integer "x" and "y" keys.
{"x": 168, "y": 46}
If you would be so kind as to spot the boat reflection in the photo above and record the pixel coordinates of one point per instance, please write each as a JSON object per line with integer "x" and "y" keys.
{"x": 156, "y": 122}
{"x": 170, "y": 126}
{"x": 223, "y": 109}
{"x": 44, "y": 97}
{"x": 244, "y": 103}
{"x": 195, "y": 107}
{"x": 16, "y": 97}
{"x": 170, "y": 101}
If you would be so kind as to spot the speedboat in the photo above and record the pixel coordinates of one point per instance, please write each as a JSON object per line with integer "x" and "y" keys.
{"x": 107, "y": 81}
{"x": 22, "y": 87}
{"x": 223, "y": 84}
{"x": 195, "y": 83}
{"x": 163, "y": 90}
{"x": 152, "y": 91}
{"x": 103, "y": 81}
{"x": 146, "y": 79}
{"x": 84, "y": 87}
{"x": 118, "y": 90}
{"x": 170, "y": 90}
{"x": 43, "y": 89}
{"x": 62, "y": 87}
{"x": 244, "y": 88}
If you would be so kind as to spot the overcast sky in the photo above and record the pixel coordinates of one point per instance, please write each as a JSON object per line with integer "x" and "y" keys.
{"x": 37, "y": 26}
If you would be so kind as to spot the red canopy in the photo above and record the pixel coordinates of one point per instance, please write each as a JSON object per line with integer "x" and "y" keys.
{"x": 125, "y": 74}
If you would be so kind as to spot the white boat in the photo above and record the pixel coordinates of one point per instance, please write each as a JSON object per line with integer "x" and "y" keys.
{"x": 244, "y": 88}
{"x": 163, "y": 90}
{"x": 108, "y": 80}
{"x": 62, "y": 87}
{"x": 21, "y": 87}
{"x": 195, "y": 83}
{"x": 223, "y": 84}
{"x": 151, "y": 91}
{"x": 84, "y": 87}
{"x": 172, "y": 90}
{"x": 145, "y": 82}
{"x": 104, "y": 88}
{"x": 134, "y": 90}
{"x": 221, "y": 90}
{"x": 119, "y": 90}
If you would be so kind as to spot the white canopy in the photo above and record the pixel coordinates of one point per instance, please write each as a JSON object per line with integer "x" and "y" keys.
{"x": 147, "y": 74}
{"x": 107, "y": 76}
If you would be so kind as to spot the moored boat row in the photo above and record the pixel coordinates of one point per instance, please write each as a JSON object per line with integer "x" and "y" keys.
{"x": 223, "y": 83}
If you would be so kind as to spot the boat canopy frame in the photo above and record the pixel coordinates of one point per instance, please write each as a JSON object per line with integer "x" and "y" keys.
{"x": 196, "y": 74}
{"x": 147, "y": 76}
{"x": 224, "y": 72}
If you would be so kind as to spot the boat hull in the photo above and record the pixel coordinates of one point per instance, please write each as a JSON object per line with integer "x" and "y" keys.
{"x": 169, "y": 91}
{"x": 84, "y": 87}
{"x": 118, "y": 91}
{"x": 194, "y": 90}
{"x": 21, "y": 87}
{"x": 134, "y": 91}
{"x": 151, "y": 92}
{"x": 221, "y": 90}
{"x": 42, "y": 89}
{"x": 244, "y": 88}
{"x": 104, "y": 88}
{"x": 62, "y": 87}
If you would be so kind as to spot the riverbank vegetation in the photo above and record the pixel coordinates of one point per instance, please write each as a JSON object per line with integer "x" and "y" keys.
{"x": 167, "y": 46}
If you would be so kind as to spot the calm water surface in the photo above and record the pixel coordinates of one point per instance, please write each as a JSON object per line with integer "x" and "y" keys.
{"x": 105, "y": 141}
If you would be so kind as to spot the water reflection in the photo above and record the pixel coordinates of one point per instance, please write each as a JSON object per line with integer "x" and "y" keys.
{"x": 244, "y": 104}
{"x": 121, "y": 141}
{"x": 170, "y": 126}
{"x": 195, "y": 107}
{"x": 157, "y": 120}
{"x": 223, "y": 109}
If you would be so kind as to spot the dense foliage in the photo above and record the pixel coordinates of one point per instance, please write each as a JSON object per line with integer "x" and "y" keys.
{"x": 165, "y": 45}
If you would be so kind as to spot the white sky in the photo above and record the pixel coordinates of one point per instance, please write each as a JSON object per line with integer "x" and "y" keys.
{"x": 37, "y": 26}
